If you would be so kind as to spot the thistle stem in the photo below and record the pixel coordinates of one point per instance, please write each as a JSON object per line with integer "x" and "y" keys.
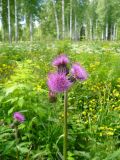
{"x": 65, "y": 127}
{"x": 16, "y": 139}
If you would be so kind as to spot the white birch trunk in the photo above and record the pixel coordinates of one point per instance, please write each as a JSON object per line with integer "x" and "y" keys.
{"x": 114, "y": 32}
{"x": 96, "y": 30}
{"x": 75, "y": 34}
{"x": 2, "y": 29}
{"x": 86, "y": 32}
{"x": 67, "y": 26}
{"x": 110, "y": 30}
{"x": 106, "y": 32}
{"x": 9, "y": 23}
{"x": 111, "y": 33}
{"x": 90, "y": 29}
{"x": 70, "y": 19}
{"x": 56, "y": 20}
{"x": 16, "y": 22}
{"x": 79, "y": 32}
{"x": 31, "y": 28}
{"x": 63, "y": 20}
{"x": 102, "y": 36}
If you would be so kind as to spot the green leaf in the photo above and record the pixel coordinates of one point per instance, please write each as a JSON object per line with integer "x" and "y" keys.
{"x": 10, "y": 110}
{"x": 11, "y": 100}
{"x": 11, "y": 89}
{"x": 23, "y": 147}
{"x": 114, "y": 156}
{"x": 22, "y": 126}
{"x": 8, "y": 147}
{"x": 83, "y": 154}
{"x": 1, "y": 98}
{"x": 21, "y": 102}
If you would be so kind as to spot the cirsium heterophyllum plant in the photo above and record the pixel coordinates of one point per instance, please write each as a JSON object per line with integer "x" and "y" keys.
{"x": 18, "y": 118}
{"x": 61, "y": 81}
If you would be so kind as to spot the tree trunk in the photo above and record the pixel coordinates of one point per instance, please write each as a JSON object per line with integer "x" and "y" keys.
{"x": 90, "y": 29}
{"x": 109, "y": 31}
{"x": 116, "y": 33}
{"x": 106, "y": 32}
{"x": 67, "y": 26}
{"x": 75, "y": 34}
{"x": 70, "y": 19}
{"x": 96, "y": 30}
{"x": 31, "y": 28}
{"x": 16, "y": 22}
{"x": 113, "y": 28}
{"x": 56, "y": 20}
{"x": 9, "y": 23}
{"x": 102, "y": 36}
{"x": 2, "y": 29}
{"x": 63, "y": 20}
{"x": 79, "y": 36}
{"x": 86, "y": 32}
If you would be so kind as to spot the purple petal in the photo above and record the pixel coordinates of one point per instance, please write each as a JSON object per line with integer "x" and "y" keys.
{"x": 79, "y": 72}
{"x": 58, "y": 82}
{"x": 19, "y": 117}
{"x": 60, "y": 60}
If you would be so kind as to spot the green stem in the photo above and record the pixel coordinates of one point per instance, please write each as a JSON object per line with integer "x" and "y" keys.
{"x": 65, "y": 127}
{"x": 16, "y": 139}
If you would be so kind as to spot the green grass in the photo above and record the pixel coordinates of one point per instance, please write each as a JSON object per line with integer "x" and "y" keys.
{"x": 94, "y": 105}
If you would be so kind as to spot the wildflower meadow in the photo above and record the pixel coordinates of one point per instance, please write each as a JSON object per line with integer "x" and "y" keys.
{"x": 60, "y": 100}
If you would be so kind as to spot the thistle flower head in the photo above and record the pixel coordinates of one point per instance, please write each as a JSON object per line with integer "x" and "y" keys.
{"x": 58, "y": 82}
{"x": 78, "y": 72}
{"x": 60, "y": 60}
{"x": 18, "y": 117}
{"x": 61, "y": 63}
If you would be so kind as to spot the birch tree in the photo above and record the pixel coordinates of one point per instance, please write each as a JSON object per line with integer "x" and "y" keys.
{"x": 2, "y": 28}
{"x": 56, "y": 19}
{"x": 16, "y": 21}
{"x": 31, "y": 27}
{"x": 75, "y": 27}
{"x": 63, "y": 20}
{"x": 70, "y": 19}
{"x": 9, "y": 23}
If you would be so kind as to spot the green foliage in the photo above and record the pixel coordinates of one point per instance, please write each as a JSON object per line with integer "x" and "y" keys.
{"x": 94, "y": 105}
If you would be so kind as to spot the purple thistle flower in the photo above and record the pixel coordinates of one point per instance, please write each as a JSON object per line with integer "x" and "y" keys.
{"x": 61, "y": 62}
{"x": 79, "y": 72}
{"x": 19, "y": 117}
{"x": 58, "y": 82}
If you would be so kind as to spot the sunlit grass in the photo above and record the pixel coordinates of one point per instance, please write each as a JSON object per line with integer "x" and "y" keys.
{"x": 94, "y": 108}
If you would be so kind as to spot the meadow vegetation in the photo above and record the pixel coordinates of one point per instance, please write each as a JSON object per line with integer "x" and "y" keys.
{"x": 93, "y": 105}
